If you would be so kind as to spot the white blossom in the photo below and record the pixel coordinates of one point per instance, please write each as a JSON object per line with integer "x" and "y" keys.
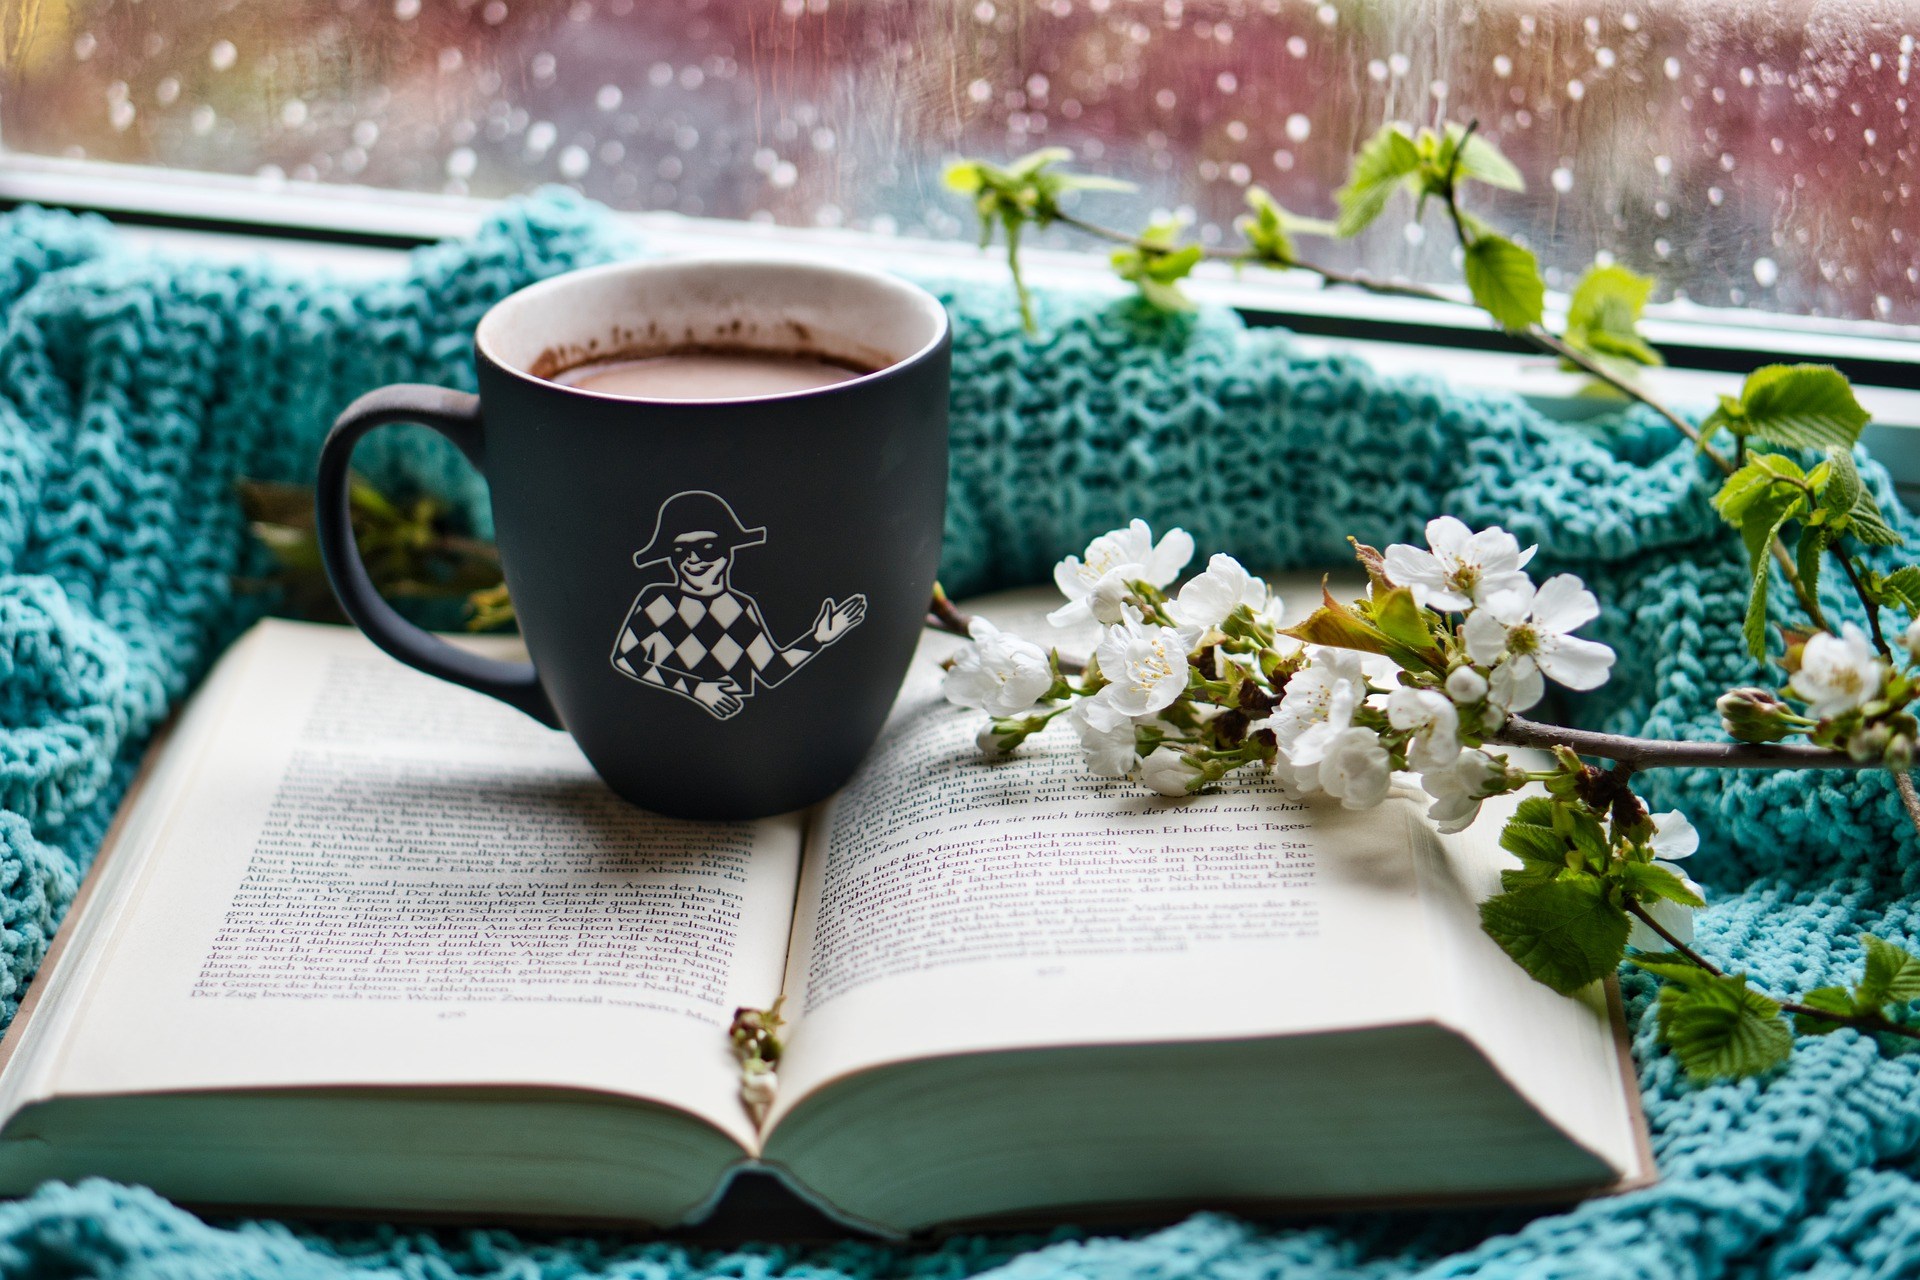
{"x": 1434, "y": 722}
{"x": 1146, "y": 665}
{"x": 988, "y": 741}
{"x": 1108, "y": 741}
{"x": 1838, "y": 674}
{"x": 1911, "y": 639}
{"x": 1297, "y": 782}
{"x": 1673, "y": 839}
{"x": 998, "y": 673}
{"x": 1168, "y": 771}
{"x": 1207, "y": 598}
{"x": 1356, "y": 769}
{"x": 1094, "y": 585}
{"x": 1318, "y": 704}
{"x": 1458, "y": 788}
{"x": 1466, "y": 685}
{"x": 1524, "y": 635}
{"x": 1462, "y": 568}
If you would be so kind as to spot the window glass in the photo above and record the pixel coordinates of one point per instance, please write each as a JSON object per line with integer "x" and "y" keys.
{"x": 1758, "y": 156}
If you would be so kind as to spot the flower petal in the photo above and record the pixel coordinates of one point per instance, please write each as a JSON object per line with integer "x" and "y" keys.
{"x": 1447, "y": 536}
{"x": 1563, "y": 603}
{"x": 1486, "y": 637}
{"x": 1574, "y": 662}
{"x": 1516, "y": 684}
{"x": 1411, "y": 567}
{"x": 1673, "y": 836}
{"x": 1166, "y": 561}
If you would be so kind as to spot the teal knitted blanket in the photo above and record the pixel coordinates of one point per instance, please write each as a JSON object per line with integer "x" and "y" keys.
{"x": 134, "y": 391}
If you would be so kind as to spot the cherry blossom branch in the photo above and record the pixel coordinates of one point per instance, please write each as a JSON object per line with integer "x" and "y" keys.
{"x": 1873, "y": 1021}
{"x": 1535, "y": 335}
{"x": 1662, "y": 753}
{"x": 1635, "y": 753}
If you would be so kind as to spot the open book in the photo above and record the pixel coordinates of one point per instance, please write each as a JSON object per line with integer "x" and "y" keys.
{"x": 365, "y": 941}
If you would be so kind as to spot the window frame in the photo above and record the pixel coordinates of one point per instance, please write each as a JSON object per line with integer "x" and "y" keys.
{"x": 1707, "y": 349}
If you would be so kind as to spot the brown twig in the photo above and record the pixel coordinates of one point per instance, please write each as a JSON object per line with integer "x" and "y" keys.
{"x": 1660, "y": 753}
{"x": 942, "y": 616}
{"x": 1867, "y": 602}
{"x": 1679, "y": 948}
{"x": 1909, "y": 798}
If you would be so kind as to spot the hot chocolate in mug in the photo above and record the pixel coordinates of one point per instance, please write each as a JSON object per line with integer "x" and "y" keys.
{"x": 719, "y": 595}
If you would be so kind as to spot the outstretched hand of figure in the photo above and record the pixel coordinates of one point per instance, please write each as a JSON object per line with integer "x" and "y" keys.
{"x": 836, "y": 620}
{"x": 721, "y": 697}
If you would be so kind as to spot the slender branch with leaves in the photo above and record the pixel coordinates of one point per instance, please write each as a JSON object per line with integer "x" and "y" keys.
{"x": 1432, "y": 671}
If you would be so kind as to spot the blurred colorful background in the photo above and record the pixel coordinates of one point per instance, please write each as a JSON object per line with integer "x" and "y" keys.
{"x": 1761, "y": 156}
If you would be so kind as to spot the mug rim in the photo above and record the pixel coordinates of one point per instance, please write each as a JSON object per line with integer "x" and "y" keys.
{"x": 483, "y": 338}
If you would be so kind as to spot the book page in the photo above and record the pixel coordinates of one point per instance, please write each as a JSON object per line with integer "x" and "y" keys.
{"x": 949, "y": 904}
{"x": 378, "y": 878}
{"x": 952, "y": 904}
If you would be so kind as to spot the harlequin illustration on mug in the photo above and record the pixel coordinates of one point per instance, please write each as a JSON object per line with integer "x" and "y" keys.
{"x": 698, "y": 636}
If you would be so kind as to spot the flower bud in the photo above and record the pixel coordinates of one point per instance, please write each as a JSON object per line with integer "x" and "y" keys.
{"x": 1754, "y": 715}
{"x": 1466, "y": 685}
{"x": 1869, "y": 743}
{"x": 1001, "y": 735}
{"x": 1911, "y": 639}
{"x": 1899, "y": 753}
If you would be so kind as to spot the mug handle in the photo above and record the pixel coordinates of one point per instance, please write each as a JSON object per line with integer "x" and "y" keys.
{"x": 455, "y": 415}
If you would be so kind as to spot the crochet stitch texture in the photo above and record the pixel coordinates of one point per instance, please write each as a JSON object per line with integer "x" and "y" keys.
{"x": 133, "y": 391}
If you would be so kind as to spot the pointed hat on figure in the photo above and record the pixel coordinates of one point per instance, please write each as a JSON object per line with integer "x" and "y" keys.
{"x": 696, "y": 511}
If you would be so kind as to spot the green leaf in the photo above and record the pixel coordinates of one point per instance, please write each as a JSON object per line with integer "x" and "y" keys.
{"x": 1338, "y": 627}
{"x": 1269, "y": 229}
{"x": 1649, "y": 880}
{"x": 1749, "y": 484}
{"x": 1720, "y": 1027}
{"x": 1565, "y": 933}
{"x": 1157, "y": 264}
{"x": 1479, "y": 159}
{"x": 1383, "y": 162}
{"x": 1833, "y": 1000}
{"x": 1893, "y": 974}
{"x": 1403, "y": 621}
{"x": 1534, "y": 841}
{"x": 1672, "y": 966}
{"x": 1763, "y": 512}
{"x": 1843, "y": 490}
{"x": 1034, "y": 161}
{"x": 1807, "y": 556}
{"x": 1797, "y": 406}
{"x": 965, "y": 177}
{"x": 1586, "y": 833}
{"x": 1849, "y": 505}
{"x": 1603, "y": 317}
{"x": 1901, "y": 588}
{"x": 1505, "y": 282}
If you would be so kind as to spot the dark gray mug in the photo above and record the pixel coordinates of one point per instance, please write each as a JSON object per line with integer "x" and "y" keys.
{"x": 719, "y": 597}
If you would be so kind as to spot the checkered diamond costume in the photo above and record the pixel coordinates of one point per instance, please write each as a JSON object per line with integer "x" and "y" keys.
{"x": 698, "y": 637}
{"x": 676, "y": 639}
